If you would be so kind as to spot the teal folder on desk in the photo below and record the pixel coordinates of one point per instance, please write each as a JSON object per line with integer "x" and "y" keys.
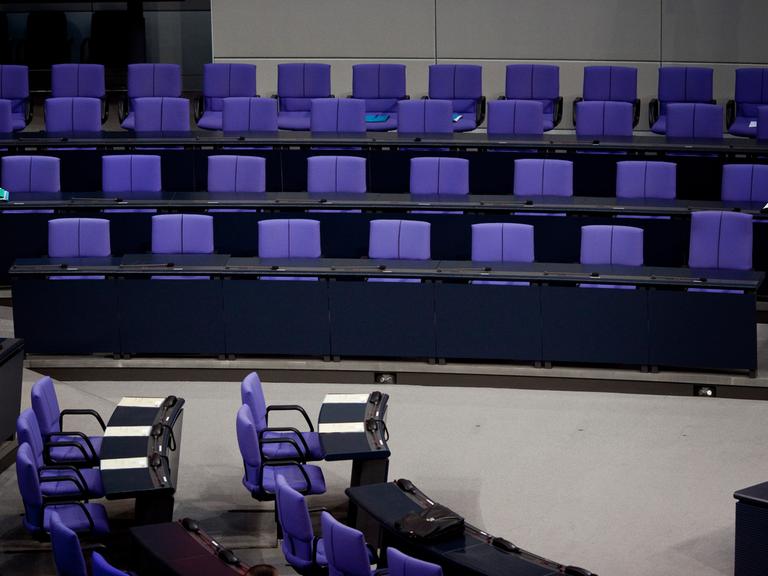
{"x": 376, "y": 117}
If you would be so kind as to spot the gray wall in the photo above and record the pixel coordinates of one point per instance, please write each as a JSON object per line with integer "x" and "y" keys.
{"x": 493, "y": 33}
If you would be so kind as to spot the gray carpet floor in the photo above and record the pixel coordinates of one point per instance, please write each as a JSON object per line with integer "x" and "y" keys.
{"x": 620, "y": 484}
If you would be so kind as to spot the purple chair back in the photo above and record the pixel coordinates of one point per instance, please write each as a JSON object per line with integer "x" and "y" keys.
{"x": 71, "y": 80}
{"x": 68, "y": 115}
{"x": 345, "y": 548}
{"x": 505, "y": 242}
{"x": 182, "y": 234}
{"x": 147, "y": 80}
{"x": 28, "y": 432}
{"x": 641, "y": 179}
{"x": 610, "y": 83}
{"x": 401, "y": 565}
{"x": 516, "y": 117}
{"x": 131, "y": 173}
{"x": 340, "y": 115}
{"x": 250, "y": 115}
{"x": 45, "y": 404}
{"x": 743, "y": 183}
{"x": 762, "y": 123}
{"x": 462, "y": 84}
{"x": 539, "y": 82}
{"x": 31, "y": 174}
{"x": 14, "y": 86}
{"x": 380, "y": 86}
{"x": 751, "y": 90}
{"x": 78, "y": 238}
{"x": 101, "y": 567}
{"x": 399, "y": 239}
{"x": 67, "y": 554}
{"x": 235, "y": 174}
{"x": 536, "y": 177}
{"x": 161, "y": 114}
{"x": 622, "y": 245}
{"x": 252, "y": 395}
{"x": 29, "y": 488}
{"x": 336, "y": 174}
{"x": 6, "y": 117}
{"x": 299, "y": 83}
{"x": 694, "y": 121}
{"x": 449, "y": 176}
{"x": 603, "y": 118}
{"x": 222, "y": 81}
{"x": 289, "y": 238}
{"x": 425, "y": 117}
{"x": 721, "y": 240}
{"x": 250, "y": 450}
{"x": 294, "y": 519}
{"x": 684, "y": 84}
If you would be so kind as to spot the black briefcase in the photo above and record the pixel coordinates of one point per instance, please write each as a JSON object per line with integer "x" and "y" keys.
{"x": 431, "y": 524}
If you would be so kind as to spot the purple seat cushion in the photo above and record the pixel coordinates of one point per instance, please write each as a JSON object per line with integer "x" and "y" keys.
{"x": 399, "y": 239}
{"x": 502, "y": 242}
{"x": 745, "y": 183}
{"x": 516, "y": 117}
{"x": 75, "y": 519}
{"x": 608, "y": 245}
{"x": 721, "y": 240}
{"x": 344, "y": 115}
{"x": 131, "y": 173}
{"x": 69, "y": 80}
{"x": 603, "y": 118}
{"x": 293, "y": 120}
{"x": 234, "y": 174}
{"x": 31, "y": 174}
{"x": 289, "y": 238}
{"x": 694, "y": 121}
{"x": 425, "y": 116}
{"x": 78, "y": 238}
{"x": 161, "y": 114}
{"x": 249, "y": 115}
{"x": 448, "y": 176}
{"x": 182, "y": 234}
{"x": 68, "y": 115}
{"x": 641, "y": 179}
{"x": 14, "y": 86}
{"x": 285, "y": 450}
{"x": 538, "y": 177}
{"x": 336, "y": 174}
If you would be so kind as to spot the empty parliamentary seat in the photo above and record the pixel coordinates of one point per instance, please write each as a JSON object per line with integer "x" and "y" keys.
{"x": 336, "y": 175}
{"x": 679, "y": 85}
{"x": 643, "y": 179}
{"x": 85, "y": 80}
{"x": 539, "y": 177}
{"x": 303, "y": 551}
{"x": 147, "y": 81}
{"x": 289, "y": 238}
{"x": 462, "y": 85}
{"x": 182, "y": 234}
{"x": 720, "y": 240}
{"x": 297, "y": 85}
{"x": 536, "y": 83}
{"x": 14, "y": 87}
{"x": 73, "y": 115}
{"x": 400, "y": 564}
{"x": 516, "y": 118}
{"x": 236, "y": 174}
{"x": 221, "y": 81}
{"x": 604, "y": 119}
{"x": 131, "y": 174}
{"x": 439, "y": 176}
{"x": 609, "y": 84}
{"x": 399, "y": 240}
{"x": 502, "y": 242}
{"x": 337, "y": 115}
{"x": 744, "y": 183}
{"x": 380, "y": 87}
{"x": 249, "y": 115}
{"x": 78, "y": 238}
{"x": 424, "y": 117}
{"x": 345, "y": 549}
{"x": 31, "y": 174}
{"x": 694, "y": 121}
{"x": 611, "y": 245}
{"x": 161, "y": 114}
{"x": 751, "y": 92}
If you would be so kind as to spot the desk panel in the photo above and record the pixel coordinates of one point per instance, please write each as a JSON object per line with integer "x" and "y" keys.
{"x": 11, "y": 365}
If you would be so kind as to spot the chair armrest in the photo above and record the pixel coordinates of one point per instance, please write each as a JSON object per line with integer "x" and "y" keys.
{"x": 480, "y": 110}
{"x": 301, "y": 457}
{"x": 80, "y": 435}
{"x": 197, "y": 103}
{"x": 300, "y": 466}
{"x": 80, "y": 487}
{"x": 575, "y": 102}
{"x": 653, "y": 111}
{"x": 635, "y": 112}
{"x": 49, "y": 445}
{"x": 287, "y": 407}
{"x": 557, "y": 112}
{"x": 81, "y": 412}
{"x": 82, "y": 506}
{"x": 61, "y": 467}
{"x": 730, "y": 112}
{"x": 288, "y": 429}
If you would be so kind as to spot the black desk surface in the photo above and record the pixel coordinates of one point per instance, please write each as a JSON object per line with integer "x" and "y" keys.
{"x": 756, "y": 495}
{"x": 470, "y": 551}
{"x": 223, "y": 265}
{"x": 370, "y": 444}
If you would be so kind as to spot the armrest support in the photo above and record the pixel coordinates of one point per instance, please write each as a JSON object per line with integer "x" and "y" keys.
{"x": 287, "y": 407}
{"x": 80, "y": 435}
{"x": 82, "y": 506}
{"x": 557, "y": 112}
{"x": 480, "y": 110}
{"x": 653, "y": 111}
{"x": 62, "y": 467}
{"x": 81, "y": 412}
{"x": 730, "y": 113}
{"x": 288, "y": 429}
{"x": 49, "y": 445}
{"x": 80, "y": 487}
{"x": 635, "y": 112}
{"x": 299, "y": 454}
{"x": 575, "y": 102}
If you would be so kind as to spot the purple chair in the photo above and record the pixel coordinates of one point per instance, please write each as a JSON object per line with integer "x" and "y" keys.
{"x": 31, "y": 174}
{"x": 65, "y": 545}
{"x": 694, "y": 121}
{"x": 161, "y": 114}
{"x": 304, "y": 445}
{"x": 131, "y": 174}
{"x": 336, "y": 175}
{"x": 73, "y": 115}
{"x": 78, "y": 238}
{"x": 439, "y": 176}
{"x": 537, "y": 177}
{"x": 424, "y": 117}
{"x": 147, "y": 81}
{"x": 182, "y": 234}
{"x": 502, "y": 243}
{"x": 516, "y": 118}
{"x": 399, "y": 240}
{"x": 762, "y": 123}
{"x": 721, "y": 240}
{"x": 611, "y": 245}
{"x": 641, "y": 179}
{"x": 236, "y": 174}
{"x": 609, "y": 84}
{"x": 6, "y": 117}
{"x": 260, "y": 476}
{"x": 222, "y": 81}
{"x": 75, "y": 484}
{"x": 337, "y": 115}
{"x": 679, "y": 84}
{"x": 101, "y": 567}
{"x": 345, "y": 549}
{"x": 80, "y": 80}
{"x": 462, "y": 85}
{"x": 297, "y": 85}
{"x": 751, "y": 93}
{"x": 401, "y": 565}
{"x": 537, "y": 83}
{"x": 14, "y": 86}
{"x": 743, "y": 183}
{"x": 302, "y": 549}
{"x": 289, "y": 238}
{"x": 604, "y": 118}
{"x": 75, "y": 447}
{"x": 380, "y": 86}
{"x": 38, "y": 511}
{"x": 250, "y": 115}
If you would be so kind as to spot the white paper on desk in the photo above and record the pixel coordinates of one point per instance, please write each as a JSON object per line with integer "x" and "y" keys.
{"x": 134, "y": 402}
{"x": 336, "y": 427}
{"x": 128, "y": 431}
{"x": 753, "y": 123}
{"x": 345, "y": 398}
{"x": 125, "y": 463}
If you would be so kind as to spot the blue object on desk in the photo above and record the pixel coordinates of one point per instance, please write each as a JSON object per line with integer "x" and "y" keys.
{"x": 376, "y": 117}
